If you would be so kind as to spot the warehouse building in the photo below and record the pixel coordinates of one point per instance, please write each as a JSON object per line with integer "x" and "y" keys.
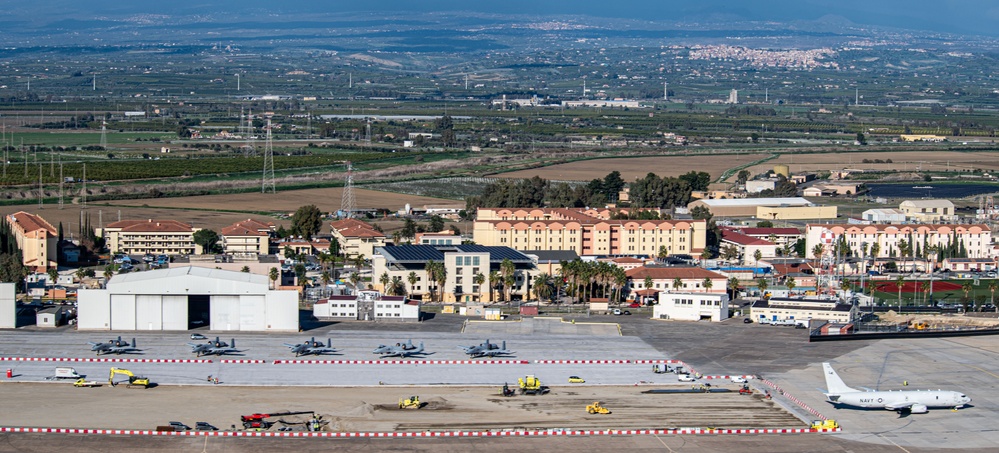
{"x": 367, "y": 306}
{"x": 795, "y": 208}
{"x": 692, "y": 306}
{"x": 8, "y": 306}
{"x": 802, "y": 310}
{"x": 187, "y": 297}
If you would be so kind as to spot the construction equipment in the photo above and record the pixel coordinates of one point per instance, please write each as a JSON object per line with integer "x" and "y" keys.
{"x": 920, "y": 326}
{"x": 745, "y": 390}
{"x": 702, "y": 388}
{"x": 825, "y": 424}
{"x": 507, "y": 391}
{"x": 133, "y": 380}
{"x": 412, "y": 402}
{"x": 85, "y": 383}
{"x": 530, "y": 385}
{"x": 596, "y": 408}
{"x": 259, "y": 421}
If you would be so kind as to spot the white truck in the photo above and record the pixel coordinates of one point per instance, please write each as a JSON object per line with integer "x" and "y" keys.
{"x": 65, "y": 372}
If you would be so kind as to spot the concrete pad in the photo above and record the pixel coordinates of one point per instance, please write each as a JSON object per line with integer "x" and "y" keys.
{"x": 541, "y": 326}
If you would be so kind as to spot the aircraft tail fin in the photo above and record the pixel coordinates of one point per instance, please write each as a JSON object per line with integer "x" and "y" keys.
{"x": 503, "y": 348}
{"x": 134, "y": 344}
{"x": 835, "y": 385}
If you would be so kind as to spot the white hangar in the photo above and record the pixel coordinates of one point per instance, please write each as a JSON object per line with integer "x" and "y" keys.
{"x": 187, "y": 297}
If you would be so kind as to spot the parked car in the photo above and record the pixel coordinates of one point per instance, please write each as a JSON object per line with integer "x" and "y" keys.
{"x": 178, "y": 426}
{"x": 148, "y": 258}
{"x": 686, "y": 378}
{"x": 634, "y": 305}
{"x": 198, "y": 336}
{"x": 616, "y": 312}
{"x": 739, "y": 380}
{"x": 576, "y": 380}
{"x": 747, "y": 321}
{"x": 205, "y": 426}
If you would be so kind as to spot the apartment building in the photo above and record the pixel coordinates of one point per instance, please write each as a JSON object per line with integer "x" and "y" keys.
{"x": 976, "y": 238}
{"x": 357, "y": 238}
{"x": 246, "y": 237}
{"x": 138, "y": 237}
{"x": 586, "y": 232}
{"x": 37, "y": 240}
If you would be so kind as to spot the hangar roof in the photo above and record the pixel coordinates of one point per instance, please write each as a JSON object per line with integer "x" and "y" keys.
{"x": 188, "y": 280}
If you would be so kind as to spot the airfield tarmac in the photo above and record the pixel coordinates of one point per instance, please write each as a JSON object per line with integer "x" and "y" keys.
{"x": 782, "y": 355}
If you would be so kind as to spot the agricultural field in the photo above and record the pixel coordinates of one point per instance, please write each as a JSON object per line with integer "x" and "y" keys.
{"x": 942, "y": 160}
{"x": 637, "y": 167}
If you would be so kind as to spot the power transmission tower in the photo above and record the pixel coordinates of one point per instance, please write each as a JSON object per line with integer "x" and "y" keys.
{"x": 83, "y": 194}
{"x": 248, "y": 148}
{"x": 347, "y": 201}
{"x": 268, "y": 179}
{"x": 104, "y": 135}
{"x": 62, "y": 182}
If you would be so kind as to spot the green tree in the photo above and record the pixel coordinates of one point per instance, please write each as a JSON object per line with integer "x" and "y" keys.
{"x": 791, "y": 283}
{"x": 436, "y": 224}
{"x": 53, "y": 275}
{"x": 274, "y": 275}
{"x": 818, "y": 250}
{"x": 733, "y": 286}
{"x": 494, "y": 284}
{"x": 762, "y": 285}
{"x": 384, "y": 280}
{"x": 707, "y": 284}
{"x": 742, "y": 177}
{"x": 925, "y": 287}
{"x": 543, "y": 286}
{"x": 757, "y": 255}
{"x": 306, "y": 221}
{"x": 412, "y": 278}
{"x": 677, "y": 283}
{"x": 648, "y": 282}
{"x": 992, "y": 289}
{"x": 507, "y": 270}
{"x": 899, "y": 282}
{"x": 478, "y": 279}
{"x": 245, "y": 269}
{"x": 300, "y": 274}
{"x": 208, "y": 240}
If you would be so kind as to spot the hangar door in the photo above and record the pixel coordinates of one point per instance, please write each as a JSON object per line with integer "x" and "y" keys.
{"x": 175, "y": 313}
{"x": 122, "y": 312}
{"x": 252, "y": 313}
{"x": 225, "y": 312}
{"x": 148, "y": 312}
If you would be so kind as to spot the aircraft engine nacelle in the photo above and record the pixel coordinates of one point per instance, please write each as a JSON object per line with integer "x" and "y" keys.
{"x": 919, "y": 409}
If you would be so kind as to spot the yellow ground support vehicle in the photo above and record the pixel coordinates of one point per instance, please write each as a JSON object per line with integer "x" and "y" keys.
{"x": 825, "y": 424}
{"x": 920, "y": 326}
{"x": 576, "y": 380}
{"x": 596, "y": 408}
{"x": 530, "y": 385}
{"x": 133, "y": 380}
{"x": 85, "y": 383}
{"x": 412, "y": 402}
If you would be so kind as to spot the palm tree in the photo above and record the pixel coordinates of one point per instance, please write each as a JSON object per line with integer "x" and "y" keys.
{"x": 648, "y": 282}
{"x": 899, "y": 281}
{"x": 81, "y": 273}
{"x": 431, "y": 269}
{"x": 757, "y": 255}
{"x": 904, "y": 248}
{"x": 494, "y": 282}
{"x": 925, "y": 287}
{"x": 384, "y": 279}
{"x": 359, "y": 261}
{"x": 355, "y": 278}
{"x": 441, "y": 280}
{"x": 708, "y": 284}
{"x": 274, "y": 275}
{"x": 818, "y": 250}
{"x": 992, "y": 289}
{"x": 620, "y": 278}
{"x": 507, "y": 269}
{"x": 478, "y": 280}
{"x": 762, "y": 285}
{"x": 543, "y": 286}
{"x": 733, "y": 285}
{"x": 790, "y": 283}
{"x": 966, "y": 287}
{"x": 412, "y": 278}
{"x": 677, "y": 283}
{"x": 875, "y": 250}
{"x": 396, "y": 286}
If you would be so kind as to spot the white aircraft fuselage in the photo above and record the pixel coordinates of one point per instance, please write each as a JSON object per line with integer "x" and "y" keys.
{"x": 911, "y": 401}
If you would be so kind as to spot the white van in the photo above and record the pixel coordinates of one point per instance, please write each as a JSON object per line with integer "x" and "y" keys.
{"x": 65, "y": 372}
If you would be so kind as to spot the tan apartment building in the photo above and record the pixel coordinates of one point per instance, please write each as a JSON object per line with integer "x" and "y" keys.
{"x": 357, "y": 238}
{"x": 246, "y": 237}
{"x": 586, "y": 232}
{"x": 138, "y": 237}
{"x": 977, "y": 239}
{"x": 37, "y": 240}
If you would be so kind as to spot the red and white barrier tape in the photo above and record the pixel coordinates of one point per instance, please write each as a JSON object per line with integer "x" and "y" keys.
{"x": 242, "y": 361}
{"x": 792, "y": 398}
{"x": 544, "y": 433}
{"x": 400, "y": 362}
{"x": 582, "y": 362}
{"x": 99, "y": 360}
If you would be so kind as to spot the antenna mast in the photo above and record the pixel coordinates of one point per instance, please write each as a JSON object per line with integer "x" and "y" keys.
{"x": 347, "y": 201}
{"x": 268, "y": 179}
{"x": 104, "y": 135}
{"x": 61, "y": 182}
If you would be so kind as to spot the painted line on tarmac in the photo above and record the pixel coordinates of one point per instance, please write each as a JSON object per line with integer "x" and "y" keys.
{"x": 99, "y": 360}
{"x": 582, "y": 362}
{"x": 399, "y": 362}
{"x": 542, "y": 433}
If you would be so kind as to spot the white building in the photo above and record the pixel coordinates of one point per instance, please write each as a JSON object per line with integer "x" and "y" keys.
{"x": 8, "y": 306}
{"x": 367, "y": 306}
{"x": 976, "y": 239}
{"x": 884, "y": 216}
{"x": 802, "y": 310}
{"x": 185, "y": 297}
{"x": 759, "y": 185}
{"x": 691, "y": 306}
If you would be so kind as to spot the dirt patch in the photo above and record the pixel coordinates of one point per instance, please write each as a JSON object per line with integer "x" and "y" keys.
{"x": 903, "y": 161}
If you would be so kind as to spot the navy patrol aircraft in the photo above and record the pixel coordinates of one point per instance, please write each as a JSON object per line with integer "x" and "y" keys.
{"x": 904, "y": 402}
{"x": 114, "y": 347}
{"x": 312, "y": 347}
{"x": 214, "y": 348}
{"x": 486, "y": 349}
{"x": 400, "y": 350}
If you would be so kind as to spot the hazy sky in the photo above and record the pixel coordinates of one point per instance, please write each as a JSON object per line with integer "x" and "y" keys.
{"x": 956, "y": 16}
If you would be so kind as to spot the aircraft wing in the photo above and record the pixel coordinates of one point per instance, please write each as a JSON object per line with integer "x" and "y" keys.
{"x": 900, "y": 405}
